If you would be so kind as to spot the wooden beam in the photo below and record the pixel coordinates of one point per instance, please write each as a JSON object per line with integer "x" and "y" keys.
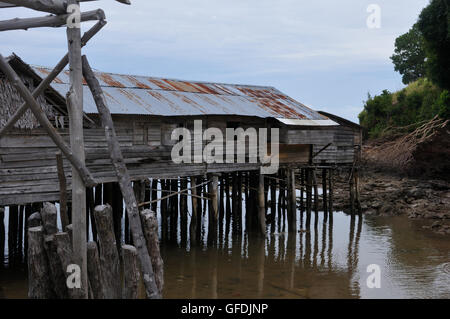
{"x": 75, "y": 107}
{"x": 51, "y": 6}
{"x": 50, "y": 77}
{"x": 124, "y": 182}
{"x": 79, "y": 165}
{"x": 48, "y": 21}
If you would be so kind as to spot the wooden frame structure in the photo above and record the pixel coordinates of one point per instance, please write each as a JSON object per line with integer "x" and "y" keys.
{"x": 81, "y": 177}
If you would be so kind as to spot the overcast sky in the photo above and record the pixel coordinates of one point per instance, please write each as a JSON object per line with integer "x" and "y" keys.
{"x": 319, "y": 52}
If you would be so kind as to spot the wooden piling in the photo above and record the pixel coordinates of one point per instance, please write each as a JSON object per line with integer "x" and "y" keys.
{"x": 109, "y": 256}
{"x": 130, "y": 272}
{"x": 194, "y": 214}
{"x": 150, "y": 228}
{"x": 94, "y": 271}
{"x": 12, "y": 233}
{"x": 292, "y": 201}
{"x": 183, "y": 212}
{"x": 2, "y": 237}
{"x": 330, "y": 194}
{"x": 38, "y": 270}
{"x": 62, "y": 191}
{"x": 324, "y": 195}
{"x": 316, "y": 191}
{"x": 308, "y": 197}
{"x": 261, "y": 206}
{"x": 65, "y": 255}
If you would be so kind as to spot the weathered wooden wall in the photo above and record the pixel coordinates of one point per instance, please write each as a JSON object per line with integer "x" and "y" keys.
{"x": 28, "y": 170}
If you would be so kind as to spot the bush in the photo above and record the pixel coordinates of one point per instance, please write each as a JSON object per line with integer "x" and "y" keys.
{"x": 418, "y": 102}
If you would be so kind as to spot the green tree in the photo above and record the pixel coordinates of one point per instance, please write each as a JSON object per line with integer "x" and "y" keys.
{"x": 434, "y": 24}
{"x": 409, "y": 56}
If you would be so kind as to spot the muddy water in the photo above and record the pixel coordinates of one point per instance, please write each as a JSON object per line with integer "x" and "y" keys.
{"x": 327, "y": 261}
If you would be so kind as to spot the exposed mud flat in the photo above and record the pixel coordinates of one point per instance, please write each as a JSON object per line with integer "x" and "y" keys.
{"x": 386, "y": 193}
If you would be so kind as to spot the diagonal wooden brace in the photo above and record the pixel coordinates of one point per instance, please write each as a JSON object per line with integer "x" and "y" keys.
{"x": 43, "y": 120}
{"x": 50, "y": 77}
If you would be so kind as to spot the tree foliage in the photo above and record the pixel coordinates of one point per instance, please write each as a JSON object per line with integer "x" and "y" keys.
{"x": 434, "y": 24}
{"x": 409, "y": 56}
{"x": 419, "y": 101}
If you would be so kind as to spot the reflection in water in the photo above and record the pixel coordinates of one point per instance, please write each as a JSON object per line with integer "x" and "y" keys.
{"x": 326, "y": 260}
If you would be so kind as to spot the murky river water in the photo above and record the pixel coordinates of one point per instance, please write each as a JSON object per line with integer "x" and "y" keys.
{"x": 328, "y": 261}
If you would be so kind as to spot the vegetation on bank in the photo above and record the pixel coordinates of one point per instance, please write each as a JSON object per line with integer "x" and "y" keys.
{"x": 422, "y": 58}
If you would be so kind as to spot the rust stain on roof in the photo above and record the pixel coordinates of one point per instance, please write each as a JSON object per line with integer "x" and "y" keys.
{"x": 160, "y": 84}
{"x": 108, "y": 79}
{"x": 277, "y": 108}
{"x": 136, "y": 82}
{"x": 47, "y": 72}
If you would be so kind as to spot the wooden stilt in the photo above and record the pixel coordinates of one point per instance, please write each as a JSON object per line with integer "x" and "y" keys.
{"x": 324, "y": 195}
{"x": 330, "y": 194}
{"x": 20, "y": 228}
{"x": 109, "y": 256}
{"x": 194, "y": 215}
{"x": 130, "y": 272}
{"x": 293, "y": 201}
{"x": 94, "y": 270}
{"x": 12, "y": 233}
{"x": 352, "y": 192}
{"x": 316, "y": 191}
{"x": 154, "y": 205}
{"x": 2, "y": 237}
{"x": 261, "y": 206}
{"x": 38, "y": 270}
{"x": 62, "y": 191}
{"x": 183, "y": 213}
{"x": 308, "y": 198}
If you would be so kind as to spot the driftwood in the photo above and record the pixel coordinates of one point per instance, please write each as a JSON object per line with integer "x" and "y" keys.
{"x": 43, "y": 120}
{"x": 38, "y": 270}
{"x": 130, "y": 272}
{"x": 94, "y": 271}
{"x": 109, "y": 256}
{"x": 50, "y": 77}
{"x": 150, "y": 226}
{"x": 124, "y": 181}
{"x": 48, "y": 21}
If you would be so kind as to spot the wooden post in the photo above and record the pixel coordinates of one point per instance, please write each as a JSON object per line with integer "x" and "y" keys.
{"x": 65, "y": 255}
{"x": 34, "y": 220}
{"x": 150, "y": 226}
{"x": 154, "y": 205}
{"x": 330, "y": 195}
{"x": 2, "y": 237}
{"x": 75, "y": 108}
{"x": 12, "y": 233}
{"x": 39, "y": 286}
{"x": 357, "y": 199}
{"x": 109, "y": 256}
{"x": 214, "y": 198}
{"x": 302, "y": 190}
{"x": 261, "y": 206}
{"x": 352, "y": 192}
{"x": 62, "y": 191}
{"x": 124, "y": 181}
{"x": 293, "y": 201}
{"x": 324, "y": 195}
{"x": 57, "y": 271}
{"x": 183, "y": 212}
{"x": 20, "y": 235}
{"x": 130, "y": 272}
{"x": 193, "y": 225}
{"x": 308, "y": 197}
{"x": 94, "y": 271}
{"x": 316, "y": 191}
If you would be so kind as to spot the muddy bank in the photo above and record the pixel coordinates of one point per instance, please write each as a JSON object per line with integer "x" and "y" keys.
{"x": 386, "y": 193}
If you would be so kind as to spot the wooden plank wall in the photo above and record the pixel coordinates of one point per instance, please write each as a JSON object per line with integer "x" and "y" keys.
{"x": 28, "y": 164}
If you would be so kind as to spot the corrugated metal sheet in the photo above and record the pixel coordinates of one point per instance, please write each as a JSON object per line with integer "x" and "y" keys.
{"x": 127, "y": 94}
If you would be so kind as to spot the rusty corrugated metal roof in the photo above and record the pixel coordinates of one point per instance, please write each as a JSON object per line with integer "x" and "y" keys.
{"x": 129, "y": 94}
